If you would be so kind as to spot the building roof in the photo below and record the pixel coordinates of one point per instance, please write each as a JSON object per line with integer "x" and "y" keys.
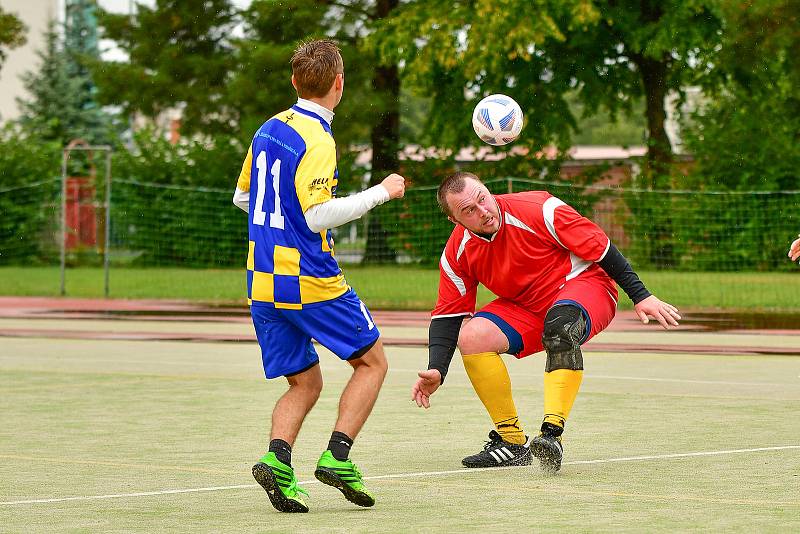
{"x": 487, "y": 153}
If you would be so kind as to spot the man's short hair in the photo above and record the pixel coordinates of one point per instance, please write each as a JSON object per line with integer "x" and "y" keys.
{"x": 315, "y": 65}
{"x": 454, "y": 183}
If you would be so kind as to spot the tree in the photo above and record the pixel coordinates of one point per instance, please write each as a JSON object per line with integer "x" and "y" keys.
{"x": 384, "y": 137}
{"x": 181, "y": 58}
{"x": 12, "y": 33}
{"x": 261, "y": 85}
{"x": 612, "y": 53}
{"x": 80, "y": 44}
{"x": 451, "y": 52}
{"x": 746, "y": 136}
{"x": 643, "y": 49}
{"x": 61, "y": 106}
{"x": 369, "y": 112}
{"x": 180, "y": 54}
{"x": 767, "y": 31}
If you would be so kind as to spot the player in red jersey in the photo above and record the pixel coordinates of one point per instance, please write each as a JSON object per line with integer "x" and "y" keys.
{"x": 554, "y": 274}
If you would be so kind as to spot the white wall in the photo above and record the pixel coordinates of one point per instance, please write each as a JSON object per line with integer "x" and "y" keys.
{"x": 34, "y": 14}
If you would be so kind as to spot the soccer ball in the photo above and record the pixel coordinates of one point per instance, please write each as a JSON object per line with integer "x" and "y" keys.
{"x": 497, "y": 119}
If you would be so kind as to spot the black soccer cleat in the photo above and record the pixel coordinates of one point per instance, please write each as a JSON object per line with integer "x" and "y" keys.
{"x": 548, "y": 449}
{"x": 499, "y": 453}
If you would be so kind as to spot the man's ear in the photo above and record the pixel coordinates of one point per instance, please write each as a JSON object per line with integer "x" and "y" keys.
{"x": 294, "y": 83}
{"x": 452, "y": 220}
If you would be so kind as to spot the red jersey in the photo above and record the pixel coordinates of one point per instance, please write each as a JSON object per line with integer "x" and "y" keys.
{"x": 542, "y": 242}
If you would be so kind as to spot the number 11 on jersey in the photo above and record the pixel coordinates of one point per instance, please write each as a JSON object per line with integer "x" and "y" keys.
{"x": 276, "y": 219}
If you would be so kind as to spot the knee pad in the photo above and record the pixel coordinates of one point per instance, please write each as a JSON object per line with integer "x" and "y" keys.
{"x": 564, "y": 327}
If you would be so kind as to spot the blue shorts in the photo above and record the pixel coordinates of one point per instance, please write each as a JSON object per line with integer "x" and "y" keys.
{"x": 342, "y": 325}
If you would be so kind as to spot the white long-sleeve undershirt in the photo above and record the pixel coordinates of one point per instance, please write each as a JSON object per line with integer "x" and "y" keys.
{"x": 336, "y": 211}
{"x": 242, "y": 199}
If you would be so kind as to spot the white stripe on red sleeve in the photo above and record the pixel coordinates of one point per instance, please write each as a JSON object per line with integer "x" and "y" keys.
{"x": 548, "y": 211}
{"x": 457, "y": 281}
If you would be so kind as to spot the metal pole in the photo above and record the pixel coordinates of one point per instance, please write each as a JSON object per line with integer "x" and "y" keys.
{"x": 107, "y": 250}
{"x": 78, "y": 144}
{"x": 510, "y": 184}
{"x": 63, "y": 237}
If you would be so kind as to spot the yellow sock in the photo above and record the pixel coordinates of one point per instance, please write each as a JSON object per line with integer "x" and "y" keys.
{"x": 560, "y": 389}
{"x": 489, "y": 377}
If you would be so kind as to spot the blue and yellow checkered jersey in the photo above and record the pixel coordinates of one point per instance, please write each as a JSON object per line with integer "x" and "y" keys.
{"x": 293, "y": 157}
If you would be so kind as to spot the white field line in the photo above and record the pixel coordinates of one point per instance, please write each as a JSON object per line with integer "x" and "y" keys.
{"x": 328, "y": 367}
{"x": 405, "y": 475}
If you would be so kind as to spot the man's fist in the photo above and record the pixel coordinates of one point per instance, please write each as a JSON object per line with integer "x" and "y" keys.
{"x": 395, "y": 185}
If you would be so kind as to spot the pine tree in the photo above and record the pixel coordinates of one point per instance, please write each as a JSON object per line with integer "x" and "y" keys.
{"x": 61, "y": 105}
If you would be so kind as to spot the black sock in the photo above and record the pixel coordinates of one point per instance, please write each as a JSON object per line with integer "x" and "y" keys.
{"x": 339, "y": 445}
{"x": 551, "y": 429}
{"x": 282, "y": 450}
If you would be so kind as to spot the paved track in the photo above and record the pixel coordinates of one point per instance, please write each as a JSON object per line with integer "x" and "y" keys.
{"x": 68, "y": 318}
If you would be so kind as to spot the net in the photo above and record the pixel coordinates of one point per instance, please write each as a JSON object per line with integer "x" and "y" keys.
{"x": 29, "y": 222}
{"x": 664, "y": 233}
{"x": 153, "y": 224}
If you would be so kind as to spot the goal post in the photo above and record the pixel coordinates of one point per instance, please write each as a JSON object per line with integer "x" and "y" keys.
{"x": 79, "y": 145}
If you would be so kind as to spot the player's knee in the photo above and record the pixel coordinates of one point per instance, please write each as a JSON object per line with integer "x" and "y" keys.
{"x": 467, "y": 340}
{"x": 564, "y": 328}
{"x": 473, "y": 339}
{"x": 374, "y": 359}
{"x": 309, "y": 386}
{"x": 313, "y": 391}
{"x": 380, "y": 363}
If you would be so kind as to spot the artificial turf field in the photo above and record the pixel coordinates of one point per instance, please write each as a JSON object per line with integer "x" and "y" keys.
{"x": 158, "y": 436}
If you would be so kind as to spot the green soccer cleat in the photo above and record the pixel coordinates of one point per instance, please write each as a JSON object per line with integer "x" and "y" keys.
{"x": 344, "y": 476}
{"x": 279, "y": 482}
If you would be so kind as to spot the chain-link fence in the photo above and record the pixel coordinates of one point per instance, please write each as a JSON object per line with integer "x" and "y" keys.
{"x": 169, "y": 225}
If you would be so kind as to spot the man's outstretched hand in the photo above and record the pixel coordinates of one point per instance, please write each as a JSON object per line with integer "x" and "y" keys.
{"x": 663, "y": 312}
{"x": 428, "y": 382}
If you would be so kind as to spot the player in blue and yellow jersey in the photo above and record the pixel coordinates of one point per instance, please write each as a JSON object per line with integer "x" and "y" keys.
{"x": 295, "y": 287}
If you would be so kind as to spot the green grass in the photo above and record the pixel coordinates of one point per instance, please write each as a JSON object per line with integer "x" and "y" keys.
{"x": 392, "y": 287}
{"x": 87, "y": 418}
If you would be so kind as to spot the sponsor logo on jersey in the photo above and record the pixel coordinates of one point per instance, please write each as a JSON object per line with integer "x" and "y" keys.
{"x": 317, "y": 183}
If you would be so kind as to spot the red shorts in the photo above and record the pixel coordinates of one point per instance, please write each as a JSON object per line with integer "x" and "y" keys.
{"x": 595, "y": 295}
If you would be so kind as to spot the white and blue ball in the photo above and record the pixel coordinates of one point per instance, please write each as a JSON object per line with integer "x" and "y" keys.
{"x": 497, "y": 119}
